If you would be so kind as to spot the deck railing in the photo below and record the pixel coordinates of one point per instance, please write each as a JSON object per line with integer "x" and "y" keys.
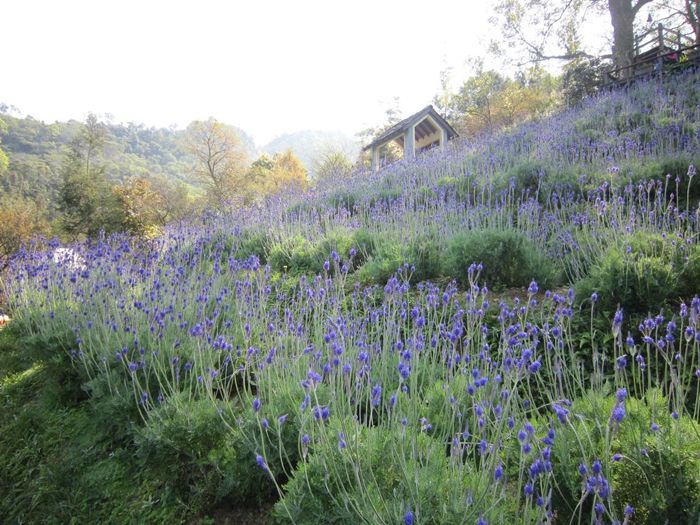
{"x": 658, "y": 51}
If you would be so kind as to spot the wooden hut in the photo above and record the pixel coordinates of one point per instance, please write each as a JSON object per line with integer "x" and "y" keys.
{"x": 423, "y": 130}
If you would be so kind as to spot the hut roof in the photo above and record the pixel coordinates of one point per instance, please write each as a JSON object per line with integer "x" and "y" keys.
{"x": 400, "y": 128}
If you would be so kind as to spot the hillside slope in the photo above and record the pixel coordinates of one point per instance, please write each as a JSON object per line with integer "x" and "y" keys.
{"x": 506, "y": 331}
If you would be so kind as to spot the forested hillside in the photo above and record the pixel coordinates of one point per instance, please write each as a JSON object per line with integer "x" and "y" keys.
{"x": 37, "y": 153}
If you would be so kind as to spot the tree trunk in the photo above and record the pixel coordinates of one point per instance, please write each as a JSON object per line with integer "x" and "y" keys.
{"x": 622, "y": 18}
{"x": 693, "y": 16}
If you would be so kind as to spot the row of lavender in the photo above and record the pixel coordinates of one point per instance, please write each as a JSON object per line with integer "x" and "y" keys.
{"x": 416, "y": 403}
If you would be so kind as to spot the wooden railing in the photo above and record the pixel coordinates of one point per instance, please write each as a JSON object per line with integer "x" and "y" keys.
{"x": 661, "y": 37}
{"x": 658, "y": 51}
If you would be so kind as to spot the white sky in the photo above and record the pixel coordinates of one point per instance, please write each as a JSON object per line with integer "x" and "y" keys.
{"x": 269, "y": 67}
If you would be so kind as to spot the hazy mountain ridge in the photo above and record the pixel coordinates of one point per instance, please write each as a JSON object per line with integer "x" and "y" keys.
{"x": 37, "y": 151}
{"x": 310, "y": 145}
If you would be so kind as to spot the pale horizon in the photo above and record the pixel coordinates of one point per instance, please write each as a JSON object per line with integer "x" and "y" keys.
{"x": 270, "y": 68}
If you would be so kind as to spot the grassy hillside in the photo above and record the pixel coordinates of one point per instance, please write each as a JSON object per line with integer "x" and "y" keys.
{"x": 502, "y": 332}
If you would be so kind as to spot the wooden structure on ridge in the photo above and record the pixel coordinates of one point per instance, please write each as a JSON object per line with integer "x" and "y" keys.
{"x": 421, "y": 131}
{"x": 657, "y": 51}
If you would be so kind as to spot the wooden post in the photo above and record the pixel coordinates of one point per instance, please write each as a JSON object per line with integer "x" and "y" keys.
{"x": 409, "y": 143}
{"x": 375, "y": 158}
{"x": 444, "y": 137}
{"x": 660, "y": 60}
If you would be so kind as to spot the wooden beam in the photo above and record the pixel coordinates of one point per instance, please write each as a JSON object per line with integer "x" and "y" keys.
{"x": 409, "y": 143}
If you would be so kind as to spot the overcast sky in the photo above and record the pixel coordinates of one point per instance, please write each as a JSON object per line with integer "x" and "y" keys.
{"x": 269, "y": 67}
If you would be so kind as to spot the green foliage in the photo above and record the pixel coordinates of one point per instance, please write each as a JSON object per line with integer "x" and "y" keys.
{"x": 343, "y": 199}
{"x": 459, "y": 186}
{"x": 365, "y": 242}
{"x": 184, "y": 448}
{"x": 668, "y": 170}
{"x": 423, "y": 254}
{"x": 253, "y": 243}
{"x": 527, "y": 177}
{"x": 298, "y": 255}
{"x": 58, "y": 463}
{"x": 489, "y": 101}
{"x": 295, "y": 254}
{"x": 642, "y": 273}
{"x": 334, "y": 485}
{"x": 509, "y": 259}
{"x": 582, "y": 78}
{"x": 384, "y": 257}
{"x": 20, "y": 220}
{"x": 332, "y": 165}
{"x": 658, "y": 474}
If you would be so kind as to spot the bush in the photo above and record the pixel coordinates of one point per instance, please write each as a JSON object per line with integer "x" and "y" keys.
{"x": 509, "y": 259}
{"x": 667, "y": 170}
{"x": 344, "y": 485}
{"x": 424, "y": 254}
{"x": 343, "y": 199}
{"x": 382, "y": 264}
{"x": 365, "y": 242}
{"x": 295, "y": 255}
{"x": 253, "y": 243}
{"x": 526, "y": 177}
{"x": 459, "y": 187}
{"x": 421, "y": 253}
{"x": 658, "y": 473}
{"x": 188, "y": 450}
{"x": 643, "y": 273}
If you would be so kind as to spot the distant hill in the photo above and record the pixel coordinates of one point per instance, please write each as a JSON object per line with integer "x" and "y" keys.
{"x": 310, "y": 145}
{"x": 37, "y": 150}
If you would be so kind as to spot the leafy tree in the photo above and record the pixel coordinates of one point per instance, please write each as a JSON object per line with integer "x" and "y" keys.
{"x": 488, "y": 100}
{"x": 20, "y": 219}
{"x": 550, "y": 29}
{"x": 143, "y": 206}
{"x": 257, "y": 175}
{"x": 581, "y": 78}
{"x": 682, "y": 13}
{"x": 392, "y": 116}
{"x": 86, "y": 201}
{"x": 220, "y": 159}
{"x": 288, "y": 172}
{"x": 4, "y": 161}
{"x": 333, "y": 164}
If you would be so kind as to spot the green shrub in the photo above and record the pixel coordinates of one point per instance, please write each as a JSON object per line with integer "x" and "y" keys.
{"x": 343, "y": 199}
{"x": 509, "y": 259}
{"x": 175, "y": 445}
{"x": 658, "y": 473}
{"x": 295, "y": 254}
{"x": 643, "y": 273}
{"x": 385, "y": 196}
{"x": 457, "y": 186}
{"x": 382, "y": 265}
{"x": 365, "y": 243}
{"x": 526, "y": 177}
{"x": 381, "y": 474}
{"x": 340, "y": 241}
{"x": 253, "y": 243}
{"x": 657, "y": 169}
{"x": 423, "y": 253}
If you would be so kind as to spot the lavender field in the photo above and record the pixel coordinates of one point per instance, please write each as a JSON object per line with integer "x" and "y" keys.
{"x": 506, "y": 331}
